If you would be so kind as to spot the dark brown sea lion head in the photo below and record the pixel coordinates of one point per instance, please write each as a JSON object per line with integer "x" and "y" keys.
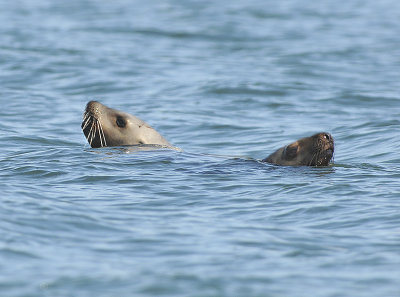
{"x": 316, "y": 150}
{"x": 104, "y": 126}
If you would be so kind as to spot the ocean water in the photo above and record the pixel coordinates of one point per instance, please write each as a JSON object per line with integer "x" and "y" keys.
{"x": 228, "y": 83}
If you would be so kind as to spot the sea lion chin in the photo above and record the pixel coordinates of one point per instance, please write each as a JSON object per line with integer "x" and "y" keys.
{"x": 104, "y": 126}
{"x": 316, "y": 150}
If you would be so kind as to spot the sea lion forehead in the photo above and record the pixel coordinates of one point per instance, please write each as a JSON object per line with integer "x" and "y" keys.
{"x": 93, "y": 104}
{"x": 111, "y": 112}
{"x": 96, "y": 108}
{"x": 325, "y": 135}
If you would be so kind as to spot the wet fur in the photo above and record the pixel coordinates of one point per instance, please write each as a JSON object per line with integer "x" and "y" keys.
{"x": 104, "y": 126}
{"x": 316, "y": 150}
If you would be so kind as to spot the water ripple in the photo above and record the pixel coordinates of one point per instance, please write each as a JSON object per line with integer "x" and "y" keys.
{"x": 228, "y": 83}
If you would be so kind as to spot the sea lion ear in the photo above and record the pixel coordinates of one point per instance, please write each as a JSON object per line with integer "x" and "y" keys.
{"x": 290, "y": 151}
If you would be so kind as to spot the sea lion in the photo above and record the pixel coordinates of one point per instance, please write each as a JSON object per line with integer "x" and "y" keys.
{"x": 104, "y": 126}
{"x": 316, "y": 150}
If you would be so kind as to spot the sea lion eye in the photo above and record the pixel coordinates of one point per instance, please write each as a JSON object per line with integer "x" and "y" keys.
{"x": 326, "y": 136}
{"x": 120, "y": 122}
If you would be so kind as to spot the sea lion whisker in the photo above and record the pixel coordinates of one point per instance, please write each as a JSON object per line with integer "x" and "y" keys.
{"x": 320, "y": 157}
{"x": 95, "y": 133}
{"x": 101, "y": 138}
{"x": 318, "y": 160}
{"x": 86, "y": 122}
{"x": 91, "y": 129}
{"x": 104, "y": 137}
{"x": 86, "y": 116}
{"x": 89, "y": 137}
{"x": 92, "y": 132}
{"x": 315, "y": 156}
{"x": 97, "y": 129}
{"x": 102, "y": 134}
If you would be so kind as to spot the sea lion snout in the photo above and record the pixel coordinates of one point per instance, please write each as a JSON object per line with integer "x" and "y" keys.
{"x": 93, "y": 108}
{"x": 330, "y": 143}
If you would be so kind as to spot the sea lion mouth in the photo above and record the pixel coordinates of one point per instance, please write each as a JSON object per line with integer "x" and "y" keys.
{"x": 93, "y": 129}
{"x": 326, "y": 156}
{"x": 324, "y": 152}
{"x": 331, "y": 148}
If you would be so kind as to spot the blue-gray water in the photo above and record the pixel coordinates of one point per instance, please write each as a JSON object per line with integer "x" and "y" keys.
{"x": 228, "y": 82}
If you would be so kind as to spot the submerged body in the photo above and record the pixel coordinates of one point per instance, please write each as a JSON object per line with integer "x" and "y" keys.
{"x": 316, "y": 150}
{"x": 104, "y": 126}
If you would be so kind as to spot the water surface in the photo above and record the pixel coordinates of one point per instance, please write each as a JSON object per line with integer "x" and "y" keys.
{"x": 228, "y": 83}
